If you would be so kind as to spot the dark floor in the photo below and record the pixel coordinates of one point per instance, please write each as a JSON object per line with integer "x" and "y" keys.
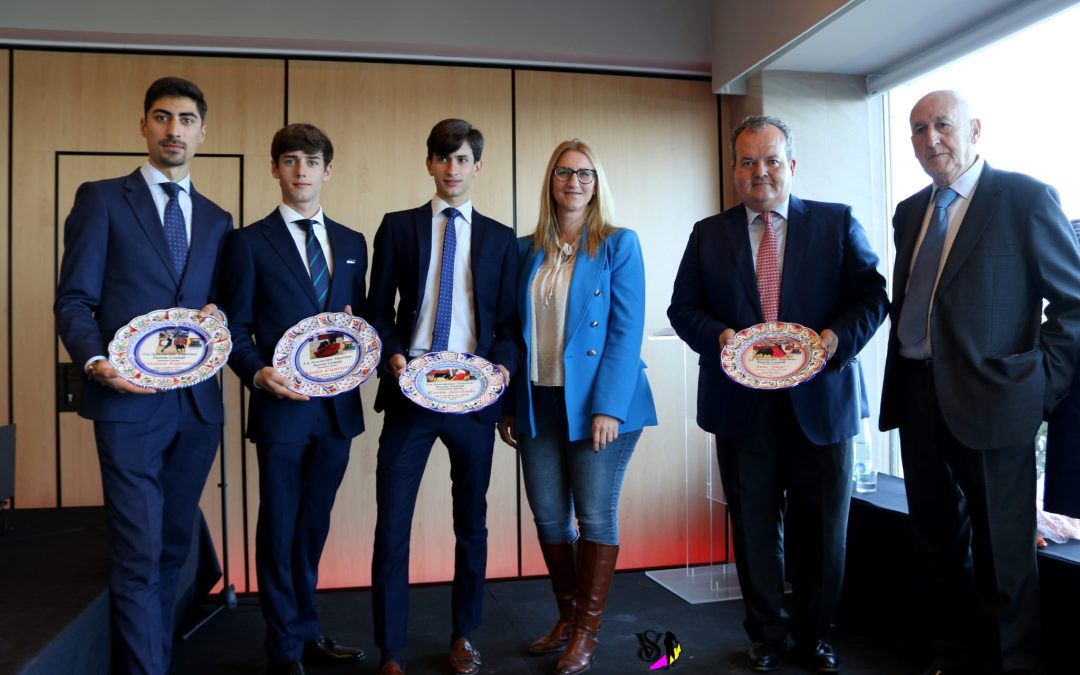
{"x": 515, "y": 613}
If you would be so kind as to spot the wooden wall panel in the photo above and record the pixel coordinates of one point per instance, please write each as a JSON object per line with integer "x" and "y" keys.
{"x": 71, "y": 102}
{"x": 657, "y": 140}
{"x": 656, "y": 137}
{"x": 378, "y": 117}
{"x": 5, "y": 232}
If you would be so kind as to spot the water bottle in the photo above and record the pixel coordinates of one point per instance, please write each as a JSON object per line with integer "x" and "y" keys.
{"x": 863, "y": 472}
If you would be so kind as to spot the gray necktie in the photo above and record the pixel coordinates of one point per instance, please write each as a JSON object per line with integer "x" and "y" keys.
{"x": 912, "y": 326}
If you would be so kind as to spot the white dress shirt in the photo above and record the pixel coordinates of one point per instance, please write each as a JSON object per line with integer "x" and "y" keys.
{"x": 463, "y": 318}
{"x": 757, "y": 231}
{"x": 965, "y": 189}
{"x": 299, "y": 235}
{"x": 154, "y": 179}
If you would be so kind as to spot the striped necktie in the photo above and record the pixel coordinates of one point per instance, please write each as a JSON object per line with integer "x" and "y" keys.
{"x": 316, "y": 261}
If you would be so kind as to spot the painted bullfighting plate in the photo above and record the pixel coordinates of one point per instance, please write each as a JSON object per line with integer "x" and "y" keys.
{"x": 170, "y": 348}
{"x": 327, "y": 354}
{"x": 773, "y": 355}
{"x": 452, "y": 382}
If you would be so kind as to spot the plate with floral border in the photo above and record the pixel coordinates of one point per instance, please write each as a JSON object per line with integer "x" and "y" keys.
{"x": 773, "y": 355}
{"x": 452, "y": 382}
{"x": 170, "y": 348}
{"x": 327, "y": 354}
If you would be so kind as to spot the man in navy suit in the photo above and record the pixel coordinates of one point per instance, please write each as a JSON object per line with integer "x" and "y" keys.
{"x": 132, "y": 245}
{"x": 973, "y": 366}
{"x": 785, "y": 456}
{"x": 408, "y": 263}
{"x": 292, "y": 264}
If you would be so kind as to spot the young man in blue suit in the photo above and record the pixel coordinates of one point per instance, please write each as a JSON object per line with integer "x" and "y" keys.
{"x": 134, "y": 244}
{"x": 785, "y": 456}
{"x": 975, "y": 361}
{"x": 408, "y": 261}
{"x": 272, "y": 279}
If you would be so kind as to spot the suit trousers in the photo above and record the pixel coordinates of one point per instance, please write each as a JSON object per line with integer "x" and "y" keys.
{"x": 408, "y": 434}
{"x": 152, "y": 473}
{"x": 788, "y": 500}
{"x": 973, "y": 513}
{"x": 297, "y": 486}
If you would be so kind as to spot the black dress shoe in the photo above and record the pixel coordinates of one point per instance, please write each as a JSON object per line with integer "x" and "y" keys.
{"x": 326, "y": 652}
{"x": 764, "y": 655}
{"x": 821, "y": 657}
{"x": 285, "y": 668}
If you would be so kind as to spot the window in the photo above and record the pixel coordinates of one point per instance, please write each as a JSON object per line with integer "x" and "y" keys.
{"x": 1024, "y": 90}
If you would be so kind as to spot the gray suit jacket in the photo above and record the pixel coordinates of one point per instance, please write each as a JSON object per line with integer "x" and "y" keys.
{"x": 998, "y": 366}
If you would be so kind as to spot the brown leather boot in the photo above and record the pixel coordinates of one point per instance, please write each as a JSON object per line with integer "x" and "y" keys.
{"x": 560, "y": 564}
{"x": 596, "y": 565}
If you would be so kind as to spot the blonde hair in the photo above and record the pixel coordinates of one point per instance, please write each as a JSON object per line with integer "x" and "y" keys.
{"x": 599, "y": 221}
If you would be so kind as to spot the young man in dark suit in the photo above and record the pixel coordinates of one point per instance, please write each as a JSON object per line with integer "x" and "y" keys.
{"x": 292, "y": 264}
{"x": 975, "y": 361}
{"x": 785, "y": 456}
{"x": 134, "y": 244}
{"x": 408, "y": 260}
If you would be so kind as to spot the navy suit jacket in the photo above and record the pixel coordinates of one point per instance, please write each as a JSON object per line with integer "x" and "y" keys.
{"x": 998, "y": 366}
{"x": 830, "y": 280}
{"x": 399, "y": 267}
{"x": 266, "y": 288}
{"x": 116, "y": 266}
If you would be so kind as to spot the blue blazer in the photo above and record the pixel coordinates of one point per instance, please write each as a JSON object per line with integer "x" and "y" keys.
{"x": 266, "y": 288}
{"x": 605, "y": 322}
{"x": 399, "y": 266}
{"x": 830, "y": 280}
{"x": 116, "y": 266}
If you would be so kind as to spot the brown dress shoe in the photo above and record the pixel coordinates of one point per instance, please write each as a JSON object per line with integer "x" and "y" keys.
{"x": 391, "y": 667}
{"x": 464, "y": 658}
{"x": 560, "y": 564}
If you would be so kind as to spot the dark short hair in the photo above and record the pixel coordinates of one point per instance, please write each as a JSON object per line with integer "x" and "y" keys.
{"x": 757, "y": 123}
{"x": 174, "y": 86}
{"x": 307, "y": 138}
{"x": 449, "y": 135}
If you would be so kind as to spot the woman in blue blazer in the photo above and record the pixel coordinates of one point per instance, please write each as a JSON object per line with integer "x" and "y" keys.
{"x": 581, "y": 398}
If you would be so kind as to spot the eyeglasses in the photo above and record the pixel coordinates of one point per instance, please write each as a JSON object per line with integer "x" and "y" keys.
{"x": 584, "y": 176}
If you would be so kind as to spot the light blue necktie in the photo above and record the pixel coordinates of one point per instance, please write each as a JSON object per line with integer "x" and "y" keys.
{"x": 912, "y": 326}
{"x": 320, "y": 273}
{"x": 440, "y": 336}
{"x": 175, "y": 228}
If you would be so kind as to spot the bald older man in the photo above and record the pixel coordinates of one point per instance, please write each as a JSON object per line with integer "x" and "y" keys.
{"x": 973, "y": 365}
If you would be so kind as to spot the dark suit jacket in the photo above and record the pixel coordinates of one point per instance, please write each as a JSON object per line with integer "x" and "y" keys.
{"x": 830, "y": 280}
{"x": 266, "y": 288}
{"x": 997, "y": 365}
{"x": 399, "y": 267}
{"x": 116, "y": 266}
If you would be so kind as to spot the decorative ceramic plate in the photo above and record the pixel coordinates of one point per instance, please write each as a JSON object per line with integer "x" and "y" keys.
{"x": 452, "y": 382}
{"x": 327, "y": 354}
{"x": 170, "y": 348}
{"x": 774, "y": 355}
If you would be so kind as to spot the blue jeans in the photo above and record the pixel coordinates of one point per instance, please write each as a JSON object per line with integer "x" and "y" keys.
{"x": 563, "y": 476}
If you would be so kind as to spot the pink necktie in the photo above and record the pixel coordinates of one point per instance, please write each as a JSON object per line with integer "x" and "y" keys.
{"x": 768, "y": 269}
